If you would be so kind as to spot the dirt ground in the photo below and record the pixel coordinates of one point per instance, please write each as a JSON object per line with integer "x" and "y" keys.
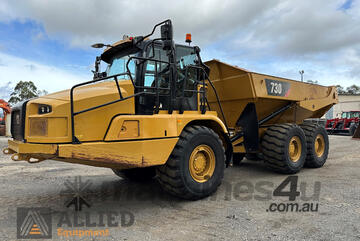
{"x": 239, "y": 210}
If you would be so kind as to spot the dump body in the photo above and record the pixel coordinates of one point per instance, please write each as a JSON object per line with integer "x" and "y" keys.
{"x": 236, "y": 87}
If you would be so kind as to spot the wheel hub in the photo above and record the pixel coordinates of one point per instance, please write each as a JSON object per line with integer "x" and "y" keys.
{"x": 319, "y": 145}
{"x": 295, "y": 149}
{"x": 202, "y": 163}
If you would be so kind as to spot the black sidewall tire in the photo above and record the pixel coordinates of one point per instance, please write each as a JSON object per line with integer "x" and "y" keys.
{"x": 210, "y": 185}
{"x": 315, "y": 160}
{"x": 295, "y": 166}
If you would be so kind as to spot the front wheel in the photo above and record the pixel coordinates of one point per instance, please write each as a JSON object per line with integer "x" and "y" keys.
{"x": 195, "y": 168}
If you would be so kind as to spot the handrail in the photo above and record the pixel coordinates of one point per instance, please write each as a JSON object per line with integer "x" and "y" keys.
{"x": 214, "y": 89}
{"x": 218, "y": 101}
{"x": 128, "y": 72}
{"x": 74, "y": 139}
{"x": 203, "y": 92}
{"x": 203, "y": 100}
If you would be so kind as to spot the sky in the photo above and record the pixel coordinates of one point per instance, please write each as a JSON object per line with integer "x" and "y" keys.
{"x": 48, "y": 42}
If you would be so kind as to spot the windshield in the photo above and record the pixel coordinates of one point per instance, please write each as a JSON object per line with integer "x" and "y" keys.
{"x": 118, "y": 65}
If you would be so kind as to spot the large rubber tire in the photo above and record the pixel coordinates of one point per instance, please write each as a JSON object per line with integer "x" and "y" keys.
{"x": 175, "y": 177}
{"x": 237, "y": 158}
{"x": 275, "y": 148}
{"x": 312, "y": 131}
{"x": 137, "y": 174}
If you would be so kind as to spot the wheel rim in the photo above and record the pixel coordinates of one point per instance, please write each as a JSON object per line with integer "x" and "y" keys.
{"x": 202, "y": 163}
{"x": 319, "y": 145}
{"x": 295, "y": 149}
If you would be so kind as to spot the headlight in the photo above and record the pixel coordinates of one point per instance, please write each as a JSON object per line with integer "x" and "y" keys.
{"x": 38, "y": 126}
{"x": 44, "y": 109}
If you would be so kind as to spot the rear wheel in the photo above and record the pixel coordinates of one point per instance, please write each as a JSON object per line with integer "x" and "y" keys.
{"x": 195, "y": 168}
{"x": 317, "y": 142}
{"x": 284, "y": 148}
{"x": 136, "y": 174}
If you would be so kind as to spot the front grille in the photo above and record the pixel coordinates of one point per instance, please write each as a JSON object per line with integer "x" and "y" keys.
{"x": 18, "y": 121}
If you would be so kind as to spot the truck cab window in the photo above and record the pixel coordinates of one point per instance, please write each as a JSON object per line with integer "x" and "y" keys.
{"x": 118, "y": 65}
{"x": 159, "y": 68}
{"x": 185, "y": 58}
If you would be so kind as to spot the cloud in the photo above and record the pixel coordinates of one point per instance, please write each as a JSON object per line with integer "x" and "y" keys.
{"x": 45, "y": 77}
{"x": 5, "y": 90}
{"x": 84, "y": 20}
{"x": 304, "y": 28}
{"x": 277, "y": 37}
{"x": 295, "y": 27}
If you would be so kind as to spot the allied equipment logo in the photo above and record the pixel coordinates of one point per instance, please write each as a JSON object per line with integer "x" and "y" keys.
{"x": 77, "y": 189}
{"x": 34, "y": 223}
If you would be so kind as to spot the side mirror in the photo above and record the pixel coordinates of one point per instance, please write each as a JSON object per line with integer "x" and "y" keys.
{"x": 167, "y": 31}
{"x": 167, "y": 35}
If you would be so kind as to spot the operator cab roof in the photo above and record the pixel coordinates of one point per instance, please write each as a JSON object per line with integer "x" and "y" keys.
{"x": 116, "y": 47}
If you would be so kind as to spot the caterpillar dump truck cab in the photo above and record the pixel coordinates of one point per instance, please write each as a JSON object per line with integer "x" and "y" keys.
{"x": 156, "y": 111}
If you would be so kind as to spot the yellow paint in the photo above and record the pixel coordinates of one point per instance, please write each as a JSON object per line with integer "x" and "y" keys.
{"x": 202, "y": 163}
{"x": 28, "y": 148}
{"x": 238, "y": 146}
{"x": 125, "y": 154}
{"x": 89, "y": 126}
{"x": 237, "y": 87}
{"x": 295, "y": 148}
{"x": 129, "y": 129}
{"x": 159, "y": 125}
{"x": 319, "y": 145}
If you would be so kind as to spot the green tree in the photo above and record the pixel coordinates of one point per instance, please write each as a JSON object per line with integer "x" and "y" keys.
{"x": 340, "y": 89}
{"x": 353, "y": 90}
{"x": 23, "y": 90}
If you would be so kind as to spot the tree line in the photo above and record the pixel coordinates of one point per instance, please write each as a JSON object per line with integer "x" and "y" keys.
{"x": 351, "y": 90}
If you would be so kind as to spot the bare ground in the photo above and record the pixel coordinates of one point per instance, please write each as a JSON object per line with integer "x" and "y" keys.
{"x": 237, "y": 211}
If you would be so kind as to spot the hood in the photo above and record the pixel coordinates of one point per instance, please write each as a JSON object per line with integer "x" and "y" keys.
{"x": 93, "y": 90}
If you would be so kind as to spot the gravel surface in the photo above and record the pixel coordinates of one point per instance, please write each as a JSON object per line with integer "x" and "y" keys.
{"x": 239, "y": 210}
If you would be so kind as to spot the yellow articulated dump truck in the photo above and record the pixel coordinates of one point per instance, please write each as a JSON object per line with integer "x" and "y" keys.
{"x": 158, "y": 110}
